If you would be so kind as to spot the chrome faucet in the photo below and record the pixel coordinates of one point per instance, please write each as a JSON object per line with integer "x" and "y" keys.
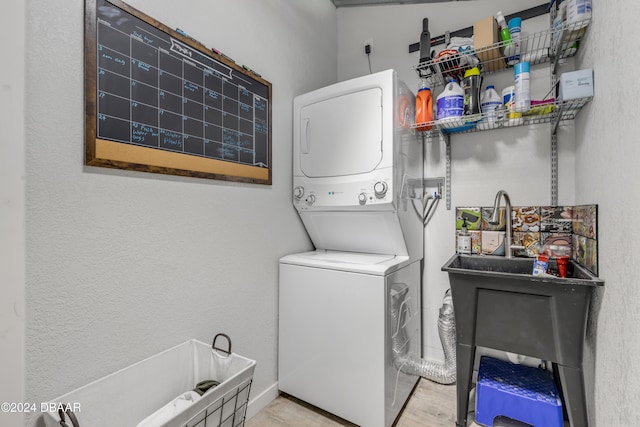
{"x": 495, "y": 219}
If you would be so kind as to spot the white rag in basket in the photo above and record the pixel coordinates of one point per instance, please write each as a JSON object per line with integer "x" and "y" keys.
{"x": 170, "y": 410}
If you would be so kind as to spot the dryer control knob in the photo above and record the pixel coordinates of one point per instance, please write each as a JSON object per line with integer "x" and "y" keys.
{"x": 311, "y": 199}
{"x": 298, "y": 192}
{"x": 362, "y": 198}
{"x": 380, "y": 189}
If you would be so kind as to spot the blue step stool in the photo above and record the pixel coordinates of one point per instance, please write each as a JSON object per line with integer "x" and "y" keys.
{"x": 518, "y": 392}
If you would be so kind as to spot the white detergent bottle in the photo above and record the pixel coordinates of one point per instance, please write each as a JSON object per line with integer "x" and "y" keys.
{"x": 578, "y": 13}
{"x": 450, "y": 103}
{"x": 489, "y": 101}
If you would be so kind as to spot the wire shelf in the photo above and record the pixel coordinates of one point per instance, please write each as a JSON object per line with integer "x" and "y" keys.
{"x": 535, "y": 48}
{"x": 556, "y": 112}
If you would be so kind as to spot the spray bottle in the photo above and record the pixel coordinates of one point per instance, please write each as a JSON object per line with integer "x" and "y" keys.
{"x": 505, "y": 35}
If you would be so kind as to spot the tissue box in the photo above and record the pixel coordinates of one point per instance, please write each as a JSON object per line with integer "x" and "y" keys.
{"x": 576, "y": 84}
{"x": 485, "y": 34}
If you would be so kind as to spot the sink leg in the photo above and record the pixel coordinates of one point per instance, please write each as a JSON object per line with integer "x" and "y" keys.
{"x": 575, "y": 400}
{"x": 465, "y": 356}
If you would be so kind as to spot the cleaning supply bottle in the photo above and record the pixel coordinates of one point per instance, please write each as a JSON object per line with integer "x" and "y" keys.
{"x": 522, "y": 93}
{"x": 578, "y": 13}
{"x": 464, "y": 239}
{"x": 505, "y": 35}
{"x": 489, "y": 101}
{"x": 471, "y": 85}
{"x": 450, "y": 103}
{"x": 515, "y": 25}
{"x": 424, "y": 106}
{"x": 558, "y": 22}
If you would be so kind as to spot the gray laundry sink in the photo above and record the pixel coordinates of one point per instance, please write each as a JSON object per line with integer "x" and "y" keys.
{"x": 499, "y": 304}
{"x": 485, "y": 266}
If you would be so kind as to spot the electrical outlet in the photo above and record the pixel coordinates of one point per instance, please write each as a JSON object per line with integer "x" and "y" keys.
{"x": 368, "y": 46}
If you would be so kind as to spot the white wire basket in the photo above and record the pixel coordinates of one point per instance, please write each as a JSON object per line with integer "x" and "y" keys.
{"x": 128, "y": 397}
{"x": 536, "y": 48}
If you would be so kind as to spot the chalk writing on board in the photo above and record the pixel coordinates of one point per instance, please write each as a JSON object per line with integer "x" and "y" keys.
{"x": 156, "y": 91}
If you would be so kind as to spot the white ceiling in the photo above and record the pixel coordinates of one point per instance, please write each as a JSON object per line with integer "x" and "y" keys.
{"x": 341, "y": 3}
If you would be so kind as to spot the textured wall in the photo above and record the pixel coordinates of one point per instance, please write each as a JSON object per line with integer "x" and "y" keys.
{"x": 121, "y": 265}
{"x": 607, "y": 173}
{"x": 12, "y": 240}
{"x": 597, "y": 165}
{"x": 516, "y": 160}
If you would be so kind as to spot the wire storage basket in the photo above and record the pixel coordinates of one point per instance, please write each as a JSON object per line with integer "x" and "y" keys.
{"x": 152, "y": 392}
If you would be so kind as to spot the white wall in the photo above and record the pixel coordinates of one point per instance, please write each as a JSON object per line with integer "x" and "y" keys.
{"x": 607, "y": 173}
{"x": 108, "y": 280}
{"x": 121, "y": 265}
{"x": 12, "y": 241}
{"x": 597, "y": 165}
{"x": 516, "y": 160}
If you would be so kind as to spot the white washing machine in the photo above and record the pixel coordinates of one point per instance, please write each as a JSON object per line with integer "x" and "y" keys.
{"x": 343, "y": 318}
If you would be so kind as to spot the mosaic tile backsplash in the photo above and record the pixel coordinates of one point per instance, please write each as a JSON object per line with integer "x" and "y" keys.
{"x": 548, "y": 230}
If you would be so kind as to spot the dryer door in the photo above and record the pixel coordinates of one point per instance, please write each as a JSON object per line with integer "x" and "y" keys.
{"x": 341, "y": 135}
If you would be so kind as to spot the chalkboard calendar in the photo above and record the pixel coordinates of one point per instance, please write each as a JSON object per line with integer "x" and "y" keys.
{"x": 158, "y": 101}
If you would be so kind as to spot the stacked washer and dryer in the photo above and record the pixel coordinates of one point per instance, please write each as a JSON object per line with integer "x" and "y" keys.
{"x": 350, "y": 310}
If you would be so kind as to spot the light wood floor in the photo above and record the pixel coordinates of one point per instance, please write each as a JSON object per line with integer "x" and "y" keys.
{"x": 431, "y": 405}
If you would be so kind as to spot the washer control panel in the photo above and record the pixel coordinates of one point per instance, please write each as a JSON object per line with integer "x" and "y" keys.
{"x": 326, "y": 195}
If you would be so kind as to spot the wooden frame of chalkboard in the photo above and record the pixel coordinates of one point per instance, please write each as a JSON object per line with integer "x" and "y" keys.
{"x": 159, "y": 101}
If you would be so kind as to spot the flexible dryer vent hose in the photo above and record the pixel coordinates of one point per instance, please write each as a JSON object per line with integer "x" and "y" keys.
{"x": 443, "y": 373}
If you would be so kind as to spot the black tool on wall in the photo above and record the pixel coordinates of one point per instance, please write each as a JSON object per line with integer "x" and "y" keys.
{"x": 425, "y": 41}
{"x": 468, "y": 32}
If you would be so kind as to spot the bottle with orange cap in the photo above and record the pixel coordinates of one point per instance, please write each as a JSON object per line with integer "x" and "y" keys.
{"x": 424, "y": 106}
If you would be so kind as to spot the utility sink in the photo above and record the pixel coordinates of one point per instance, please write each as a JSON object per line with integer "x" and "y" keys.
{"x": 499, "y": 304}
{"x": 485, "y": 266}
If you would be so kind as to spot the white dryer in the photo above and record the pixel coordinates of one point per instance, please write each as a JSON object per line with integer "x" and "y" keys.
{"x": 339, "y": 314}
{"x": 358, "y": 167}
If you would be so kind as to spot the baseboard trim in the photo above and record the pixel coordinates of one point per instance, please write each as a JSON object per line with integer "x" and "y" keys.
{"x": 262, "y": 400}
